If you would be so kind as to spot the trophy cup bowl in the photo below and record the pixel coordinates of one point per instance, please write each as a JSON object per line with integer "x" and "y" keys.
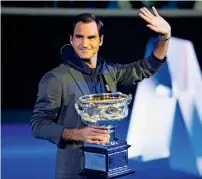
{"x": 105, "y": 110}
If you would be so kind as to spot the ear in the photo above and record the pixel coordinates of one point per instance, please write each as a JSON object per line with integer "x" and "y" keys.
{"x": 70, "y": 37}
{"x": 101, "y": 40}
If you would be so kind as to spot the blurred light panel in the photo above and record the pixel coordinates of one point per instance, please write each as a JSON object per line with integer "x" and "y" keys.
{"x": 166, "y": 120}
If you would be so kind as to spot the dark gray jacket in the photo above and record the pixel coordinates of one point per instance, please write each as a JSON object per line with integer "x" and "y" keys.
{"x": 54, "y": 110}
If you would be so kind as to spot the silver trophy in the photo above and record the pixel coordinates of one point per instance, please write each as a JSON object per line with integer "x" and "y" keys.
{"x": 106, "y": 110}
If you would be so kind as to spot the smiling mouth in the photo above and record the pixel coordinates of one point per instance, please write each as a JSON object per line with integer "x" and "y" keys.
{"x": 84, "y": 51}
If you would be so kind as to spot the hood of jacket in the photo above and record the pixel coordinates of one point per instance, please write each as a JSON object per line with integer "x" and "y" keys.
{"x": 69, "y": 57}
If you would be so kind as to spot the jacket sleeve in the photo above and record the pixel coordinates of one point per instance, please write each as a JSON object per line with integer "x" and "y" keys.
{"x": 46, "y": 110}
{"x": 130, "y": 74}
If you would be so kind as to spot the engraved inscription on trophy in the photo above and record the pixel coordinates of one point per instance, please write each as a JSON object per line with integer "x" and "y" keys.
{"x": 118, "y": 159}
{"x": 95, "y": 161}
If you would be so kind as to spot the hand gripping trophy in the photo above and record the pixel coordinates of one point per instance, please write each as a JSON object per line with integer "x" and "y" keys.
{"x": 105, "y": 110}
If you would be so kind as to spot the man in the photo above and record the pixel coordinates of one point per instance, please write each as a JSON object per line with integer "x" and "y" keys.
{"x": 83, "y": 72}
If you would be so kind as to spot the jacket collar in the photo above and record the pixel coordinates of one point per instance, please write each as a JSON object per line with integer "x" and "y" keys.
{"x": 79, "y": 79}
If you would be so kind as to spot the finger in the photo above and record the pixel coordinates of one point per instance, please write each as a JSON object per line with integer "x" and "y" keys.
{"x": 104, "y": 142}
{"x": 152, "y": 27}
{"x": 101, "y": 137}
{"x": 102, "y": 127}
{"x": 155, "y": 11}
{"x": 95, "y": 137}
{"x": 98, "y": 127}
{"x": 94, "y": 126}
{"x": 100, "y": 131}
{"x": 145, "y": 13}
{"x": 93, "y": 141}
{"x": 145, "y": 18}
{"x": 98, "y": 139}
{"x": 148, "y": 12}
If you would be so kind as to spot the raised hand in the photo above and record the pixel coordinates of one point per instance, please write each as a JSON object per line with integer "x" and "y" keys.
{"x": 155, "y": 22}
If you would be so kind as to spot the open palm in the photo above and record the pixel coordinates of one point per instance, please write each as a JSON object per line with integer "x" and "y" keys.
{"x": 155, "y": 22}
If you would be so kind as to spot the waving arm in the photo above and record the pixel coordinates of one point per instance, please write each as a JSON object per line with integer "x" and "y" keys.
{"x": 159, "y": 25}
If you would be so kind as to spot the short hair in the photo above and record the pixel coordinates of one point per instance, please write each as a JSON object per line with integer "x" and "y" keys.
{"x": 87, "y": 18}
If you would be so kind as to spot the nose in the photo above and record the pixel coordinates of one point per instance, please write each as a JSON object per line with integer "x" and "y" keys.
{"x": 84, "y": 43}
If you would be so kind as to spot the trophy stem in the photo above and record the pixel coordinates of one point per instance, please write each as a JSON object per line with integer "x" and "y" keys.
{"x": 111, "y": 132}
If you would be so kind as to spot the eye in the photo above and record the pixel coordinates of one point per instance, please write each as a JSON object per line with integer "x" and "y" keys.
{"x": 91, "y": 37}
{"x": 79, "y": 36}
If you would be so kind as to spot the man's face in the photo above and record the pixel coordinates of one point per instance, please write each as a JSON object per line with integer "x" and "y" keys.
{"x": 86, "y": 40}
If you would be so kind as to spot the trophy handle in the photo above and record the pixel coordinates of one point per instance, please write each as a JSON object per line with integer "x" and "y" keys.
{"x": 78, "y": 109}
{"x": 129, "y": 99}
{"x": 118, "y": 92}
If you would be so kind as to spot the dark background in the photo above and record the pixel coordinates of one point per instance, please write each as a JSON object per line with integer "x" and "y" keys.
{"x": 31, "y": 47}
